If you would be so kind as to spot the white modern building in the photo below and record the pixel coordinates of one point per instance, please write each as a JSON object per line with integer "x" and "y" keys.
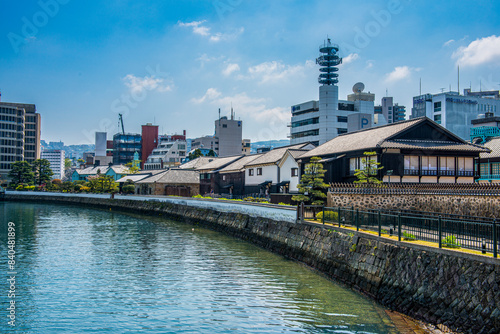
{"x": 454, "y": 111}
{"x": 56, "y": 159}
{"x": 319, "y": 121}
{"x": 170, "y": 152}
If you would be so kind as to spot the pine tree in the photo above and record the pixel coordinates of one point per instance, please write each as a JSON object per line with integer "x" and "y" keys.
{"x": 367, "y": 174}
{"x": 21, "y": 173}
{"x": 312, "y": 186}
{"x": 41, "y": 171}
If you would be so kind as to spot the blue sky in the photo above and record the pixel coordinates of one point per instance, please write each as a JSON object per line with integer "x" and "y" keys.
{"x": 174, "y": 63}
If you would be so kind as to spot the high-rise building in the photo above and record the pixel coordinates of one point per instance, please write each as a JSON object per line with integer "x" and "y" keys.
{"x": 19, "y": 135}
{"x": 392, "y": 112}
{"x": 124, "y": 147}
{"x": 320, "y": 121}
{"x": 454, "y": 111}
{"x": 56, "y": 159}
{"x": 228, "y": 134}
{"x": 149, "y": 141}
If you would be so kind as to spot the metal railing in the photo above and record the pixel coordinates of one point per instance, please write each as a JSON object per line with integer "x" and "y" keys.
{"x": 451, "y": 231}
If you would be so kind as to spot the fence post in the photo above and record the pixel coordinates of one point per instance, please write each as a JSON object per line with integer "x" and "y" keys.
{"x": 352, "y": 215}
{"x": 440, "y": 229}
{"x": 379, "y": 224}
{"x": 338, "y": 215}
{"x": 302, "y": 208}
{"x": 323, "y": 216}
{"x": 399, "y": 226}
{"x": 357, "y": 219}
{"x": 495, "y": 241}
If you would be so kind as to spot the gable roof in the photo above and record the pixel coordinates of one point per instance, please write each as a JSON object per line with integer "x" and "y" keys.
{"x": 219, "y": 163}
{"x": 275, "y": 155}
{"x": 174, "y": 176}
{"x": 196, "y": 163}
{"x": 239, "y": 164}
{"x": 386, "y": 136}
{"x": 119, "y": 169}
{"x": 92, "y": 170}
{"x": 494, "y": 145}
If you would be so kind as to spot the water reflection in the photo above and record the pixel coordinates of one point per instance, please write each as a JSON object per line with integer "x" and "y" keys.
{"x": 98, "y": 271}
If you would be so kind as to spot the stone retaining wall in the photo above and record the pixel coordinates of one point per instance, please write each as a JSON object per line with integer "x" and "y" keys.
{"x": 468, "y": 205}
{"x": 458, "y": 290}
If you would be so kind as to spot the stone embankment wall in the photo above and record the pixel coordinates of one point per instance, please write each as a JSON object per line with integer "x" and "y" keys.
{"x": 460, "y": 291}
{"x": 468, "y": 205}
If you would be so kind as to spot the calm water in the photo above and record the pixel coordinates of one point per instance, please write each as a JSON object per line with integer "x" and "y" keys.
{"x": 86, "y": 271}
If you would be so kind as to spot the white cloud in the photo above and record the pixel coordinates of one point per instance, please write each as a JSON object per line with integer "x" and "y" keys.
{"x": 270, "y": 72}
{"x": 448, "y": 43}
{"x": 369, "y": 64}
{"x": 481, "y": 51}
{"x": 399, "y": 73}
{"x": 138, "y": 84}
{"x": 350, "y": 58}
{"x": 253, "y": 108}
{"x": 210, "y": 95}
{"x": 230, "y": 68}
{"x": 199, "y": 29}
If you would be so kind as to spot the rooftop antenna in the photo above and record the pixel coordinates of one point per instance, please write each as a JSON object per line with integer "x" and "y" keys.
{"x": 386, "y": 93}
{"x": 442, "y": 90}
{"x": 219, "y": 116}
{"x": 458, "y": 83}
{"x": 232, "y": 114}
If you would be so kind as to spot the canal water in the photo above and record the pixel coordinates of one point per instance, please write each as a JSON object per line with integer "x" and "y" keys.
{"x": 80, "y": 270}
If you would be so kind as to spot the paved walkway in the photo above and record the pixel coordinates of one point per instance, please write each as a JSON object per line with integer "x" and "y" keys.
{"x": 252, "y": 209}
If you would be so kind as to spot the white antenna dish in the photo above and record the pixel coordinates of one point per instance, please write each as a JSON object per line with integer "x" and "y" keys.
{"x": 358, "y": 87}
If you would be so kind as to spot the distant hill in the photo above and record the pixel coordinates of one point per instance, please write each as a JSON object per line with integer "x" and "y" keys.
{"x": 71, "y": 151}
{"x": 268, "y": 143}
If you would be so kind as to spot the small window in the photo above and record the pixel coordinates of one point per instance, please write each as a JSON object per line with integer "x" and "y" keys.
{"x": 295, "y": 172}
{"x": 259, "y": 171}
{"x": 250, "y": 172}
{"x": 224, "y": 125}
{"x": 223, "y": 177}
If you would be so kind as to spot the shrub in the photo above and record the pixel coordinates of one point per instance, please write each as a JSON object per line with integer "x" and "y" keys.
{"x": 451, "y": 242}
{"x": 281, "y": 203}
{"x": 408, "y": 236}
{"x": 29, "y": 188}
{"x": 329, "y": 216}
{"x": 128, "y": 189}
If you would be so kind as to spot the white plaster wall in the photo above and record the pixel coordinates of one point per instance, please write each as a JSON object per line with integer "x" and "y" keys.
{"x": 286, "y": 173}
{"x": 269, "y": 173}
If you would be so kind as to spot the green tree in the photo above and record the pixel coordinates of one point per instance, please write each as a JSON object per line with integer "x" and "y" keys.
{"x": 133, "y": 169}
{"x": 128, "y": 187}
{"x": 67, "y": 163}
{"x": 41, "y": 171}
{"x": 312, "y": 185}
{"x": 21, "y": 173}
{"x": 80, "y": 161}
{"x": 196, "y": 154}
{"x": 211, "y": 153}
{"x": 367, "y": 174}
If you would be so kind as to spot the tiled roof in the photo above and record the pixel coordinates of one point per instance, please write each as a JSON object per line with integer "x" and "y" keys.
{"x": 239, "y": 164}
{"x": 380, "y": 137}
{"x": 92, "y": 170}
{"x": 133, "y": 177}
{"x": 196, "y": 163}
{"x": 174, "y": 176}
{"x": 432, "y": 145}
{"x": 120, "y": 169}
{"x": 219, "y": 163}
{"x": 275, "y": 155}
{"x": 494, "y": 146}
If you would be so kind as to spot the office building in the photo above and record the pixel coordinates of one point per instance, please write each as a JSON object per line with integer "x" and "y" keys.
{"x": 124, "y": 147}
{"x": 149, "y": 141}
{"x": 19, "y": 135}
{"x": 228, "y": 135}
{"x": 245, "y": 146}
{"x": 454, "y": 111}
{"x": 56, "y": 159}
{"x": 392, "y": 112}
{"x": 101, "y": 157}
{"x": 206, "y": 142}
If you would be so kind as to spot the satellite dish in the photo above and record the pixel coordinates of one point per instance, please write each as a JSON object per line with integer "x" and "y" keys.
{"x": 358, "y": 87}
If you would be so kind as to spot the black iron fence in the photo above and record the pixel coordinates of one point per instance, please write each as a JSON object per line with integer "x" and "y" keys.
{"x": 451, "y": 231}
